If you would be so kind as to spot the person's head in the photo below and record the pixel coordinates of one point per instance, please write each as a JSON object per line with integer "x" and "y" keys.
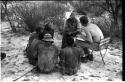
{"x": 72, "y": 24}
{"x": 38, "y": 29}
{"x": 84, "y": 20}
{"x": 48, "y": 27}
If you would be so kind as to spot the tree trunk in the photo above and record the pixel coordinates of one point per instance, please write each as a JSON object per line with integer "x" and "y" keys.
{"x": 11, "y": 25}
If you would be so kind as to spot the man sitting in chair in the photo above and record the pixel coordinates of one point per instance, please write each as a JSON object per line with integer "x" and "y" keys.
{"x": 92, "y": 34}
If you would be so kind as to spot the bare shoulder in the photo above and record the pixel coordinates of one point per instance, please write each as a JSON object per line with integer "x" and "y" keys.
{"x": 94, "y": 25}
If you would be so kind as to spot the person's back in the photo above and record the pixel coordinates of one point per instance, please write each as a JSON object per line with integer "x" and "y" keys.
{"x": 47, "y": 54}
{"x": 92, "y": 32}
{"x": 70, "y": 60}
{"x": 47, "y": 57}
{"x": 72, "y": 57}
{"x": 95, "y": 31}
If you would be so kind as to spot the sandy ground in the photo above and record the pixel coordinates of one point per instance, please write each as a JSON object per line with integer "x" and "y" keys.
{"x": 16, "y": 64}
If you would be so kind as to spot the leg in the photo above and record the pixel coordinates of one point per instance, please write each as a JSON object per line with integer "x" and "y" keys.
{"x": 85, "y": 59}
{"x": 103, "y": 56}
{"x": 87, "y": 52}
{"x": 89, "y": 56}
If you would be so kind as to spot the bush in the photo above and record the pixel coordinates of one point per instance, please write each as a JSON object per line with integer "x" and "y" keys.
{"x": 104, "y": 24}
{"x": 87, "y": 6}
{"x": 107, "y": 27}
{"x": 32, "y": 14}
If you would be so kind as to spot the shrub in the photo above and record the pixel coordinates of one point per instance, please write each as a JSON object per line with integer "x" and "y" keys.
{"x": 32, "y": 14}
{"x": 104, "y": 24}
{"x": 107, "y": 27}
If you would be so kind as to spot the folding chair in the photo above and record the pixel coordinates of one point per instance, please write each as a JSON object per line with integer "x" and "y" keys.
{"x": 103, "y": 44}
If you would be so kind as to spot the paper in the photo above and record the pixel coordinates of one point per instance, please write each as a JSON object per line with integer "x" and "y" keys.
{"x": 78, "y": 38}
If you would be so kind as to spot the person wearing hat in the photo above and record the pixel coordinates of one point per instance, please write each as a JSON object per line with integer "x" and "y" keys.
{"x": 47, "y": 55}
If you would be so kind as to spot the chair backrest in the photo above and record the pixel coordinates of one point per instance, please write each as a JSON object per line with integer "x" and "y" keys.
{"x": 104, "y": 43}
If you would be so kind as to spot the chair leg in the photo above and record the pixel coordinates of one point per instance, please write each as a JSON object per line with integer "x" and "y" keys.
{"x": 104, "y": 53}
{"x": 102, "y": 57}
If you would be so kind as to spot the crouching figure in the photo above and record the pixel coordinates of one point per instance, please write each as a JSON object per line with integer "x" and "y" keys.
{"x": 70, "y": 58}
{"x": 47, "y": 55}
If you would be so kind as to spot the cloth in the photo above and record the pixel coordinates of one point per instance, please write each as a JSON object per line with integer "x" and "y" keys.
{"x": 32, "y": 49}
{"x": 47, "y": 57}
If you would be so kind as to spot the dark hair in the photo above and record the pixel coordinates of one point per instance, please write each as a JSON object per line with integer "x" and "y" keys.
{"x": 84, "y": 20}
{"x": 41, "y": 35}
{"x": 71, "y": 24}
{"x": 38, "y": 29}
{"x": 47, "y": 27}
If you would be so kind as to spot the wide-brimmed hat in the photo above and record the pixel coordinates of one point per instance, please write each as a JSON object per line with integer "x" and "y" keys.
{"x": 48, "y": 37}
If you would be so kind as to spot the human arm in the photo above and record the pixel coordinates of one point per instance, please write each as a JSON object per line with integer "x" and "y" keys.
{"x": 88, "y": 36}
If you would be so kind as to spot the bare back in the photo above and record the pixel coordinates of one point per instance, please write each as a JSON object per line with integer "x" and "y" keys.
{"x": 95, "y": 32}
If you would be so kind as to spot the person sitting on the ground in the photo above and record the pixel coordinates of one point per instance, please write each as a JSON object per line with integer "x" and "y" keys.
{"x": 70, "y": 57}
{"x": 93, "y": 33}
{"x": 32, "y": 51}
{"x": 34, "y": 35}
{"x": 47, "y": 54}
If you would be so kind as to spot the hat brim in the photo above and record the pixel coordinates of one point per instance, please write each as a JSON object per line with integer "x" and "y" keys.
{"x": 48, "y": 40}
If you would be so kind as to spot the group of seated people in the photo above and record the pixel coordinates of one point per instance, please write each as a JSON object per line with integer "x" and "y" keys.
{"x": 42, "y": 53}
